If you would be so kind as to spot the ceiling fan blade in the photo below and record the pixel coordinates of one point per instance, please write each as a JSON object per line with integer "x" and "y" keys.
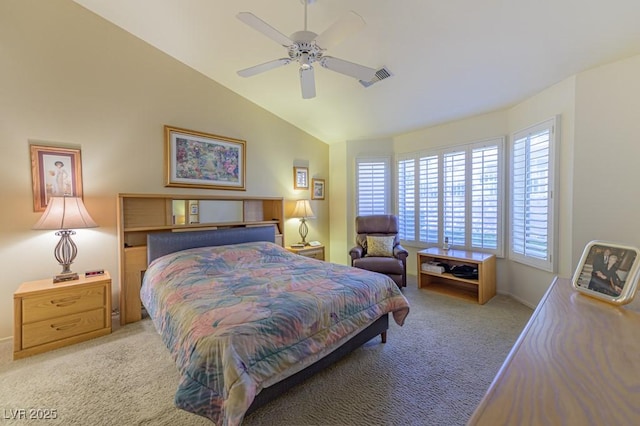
{"x": 307, "y": 83}
{"x": 339, "y": 30}
{"x": 347, "y": 68}
{"x": 259, "y": 25}
{"x": 257, "y": 69}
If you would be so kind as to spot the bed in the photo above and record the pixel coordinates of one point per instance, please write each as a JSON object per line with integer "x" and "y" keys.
{"x": 245, "y": 320}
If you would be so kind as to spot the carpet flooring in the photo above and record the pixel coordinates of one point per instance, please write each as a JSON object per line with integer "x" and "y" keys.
{"x": 432, "y": 371}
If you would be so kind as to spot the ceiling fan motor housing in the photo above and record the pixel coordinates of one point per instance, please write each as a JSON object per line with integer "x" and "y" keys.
{"x": 304, "y": 48}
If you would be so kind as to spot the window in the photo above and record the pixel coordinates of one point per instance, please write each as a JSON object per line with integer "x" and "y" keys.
{"x": 372, "y": 186}
{"x": 532, "y": 188}
{"x": 454, "y": 193}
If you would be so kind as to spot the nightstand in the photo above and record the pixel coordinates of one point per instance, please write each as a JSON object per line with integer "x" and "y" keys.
{"x": 48, "y": 316}
{"x": 316, "y": 252}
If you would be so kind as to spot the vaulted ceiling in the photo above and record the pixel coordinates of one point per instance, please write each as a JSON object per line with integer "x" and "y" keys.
{"x": 448, "y": 59}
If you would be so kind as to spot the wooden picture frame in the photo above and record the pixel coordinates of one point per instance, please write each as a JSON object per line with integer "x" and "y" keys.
{"x": 55, "y": 172}
{"x": 608, "y": 271}
{"x": 202, "y": 160}
{"x": 300, "y": 177}
{"x": 317, "y": 189}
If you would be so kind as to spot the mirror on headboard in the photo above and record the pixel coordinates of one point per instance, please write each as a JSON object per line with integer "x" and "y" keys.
{"x": 189, "y": 212}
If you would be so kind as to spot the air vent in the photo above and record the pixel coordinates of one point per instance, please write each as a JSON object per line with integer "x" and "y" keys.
{"x": 381, "y": 74}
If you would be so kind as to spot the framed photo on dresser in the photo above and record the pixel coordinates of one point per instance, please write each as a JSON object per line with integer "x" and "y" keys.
{"x": 608, "y": 271}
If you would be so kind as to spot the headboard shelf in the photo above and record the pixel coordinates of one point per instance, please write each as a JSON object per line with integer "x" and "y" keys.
{"x": 143, "y": 214}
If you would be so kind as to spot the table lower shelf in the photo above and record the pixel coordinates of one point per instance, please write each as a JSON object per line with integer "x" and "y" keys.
{"x": 443, "y": 285}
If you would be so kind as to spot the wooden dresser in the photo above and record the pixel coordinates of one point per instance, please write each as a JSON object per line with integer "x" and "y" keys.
{"x": 577, "y": 362}
{"x": 49, "y": 316}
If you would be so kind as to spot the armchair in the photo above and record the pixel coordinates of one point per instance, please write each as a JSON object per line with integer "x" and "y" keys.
{"x": 378, "y": 247}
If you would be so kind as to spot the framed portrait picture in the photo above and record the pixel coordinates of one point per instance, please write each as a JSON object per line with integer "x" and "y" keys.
{"x": 608, "y": 271}
{"x": 55, "y": 172}
{"x": 317, "y": 186}
{"x": 201, "y": 160}
{"x": 300, "y": 177}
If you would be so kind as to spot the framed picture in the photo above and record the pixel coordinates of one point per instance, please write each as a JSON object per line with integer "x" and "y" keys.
{"x": 201, "y": 160}
{"x": 300, "y": 177}
{"x": 317, "y": 186}
{"x": 55, "y": 172}
{"x": 608, "y": 271}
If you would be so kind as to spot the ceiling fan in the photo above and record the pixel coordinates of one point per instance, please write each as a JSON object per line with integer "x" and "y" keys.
{"x": 307, "y": 47}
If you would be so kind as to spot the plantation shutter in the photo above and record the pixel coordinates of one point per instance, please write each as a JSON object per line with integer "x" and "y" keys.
{"x": 372, "y": 189}
{"x": 484, "y": 197}
{"x": 407, "y": 199}
{"x": 429, "y": 199}
{"x": 532, "y": 232}
{"x": 454, "y": 198}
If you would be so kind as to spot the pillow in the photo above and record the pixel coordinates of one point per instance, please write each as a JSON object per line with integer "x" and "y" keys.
{"x": 380, "y": 246}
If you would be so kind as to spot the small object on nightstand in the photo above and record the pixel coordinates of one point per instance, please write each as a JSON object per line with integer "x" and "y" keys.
{"x": 297, "y": 245}
{"x": 94, "y": 273}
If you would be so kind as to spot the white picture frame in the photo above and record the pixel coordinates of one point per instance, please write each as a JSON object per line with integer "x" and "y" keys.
{"x": 608, "y": 271}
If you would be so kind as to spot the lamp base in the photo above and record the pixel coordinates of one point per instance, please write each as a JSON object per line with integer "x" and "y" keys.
{"x": 60, "y": 278}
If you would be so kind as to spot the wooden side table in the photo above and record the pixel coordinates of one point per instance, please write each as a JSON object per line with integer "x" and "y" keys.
{"x": 316, "y": 252}
{"x": 49, "y": 316}
{"x": 481, "y": 289}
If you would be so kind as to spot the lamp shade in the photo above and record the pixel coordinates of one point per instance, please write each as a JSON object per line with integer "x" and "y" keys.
{"x": 303, "y": 209}
{"x": 65, "y": 213}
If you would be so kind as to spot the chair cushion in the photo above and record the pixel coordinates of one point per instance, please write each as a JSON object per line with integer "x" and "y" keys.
{"x": 383, "y": 265}
{"x": 380, "y": 246}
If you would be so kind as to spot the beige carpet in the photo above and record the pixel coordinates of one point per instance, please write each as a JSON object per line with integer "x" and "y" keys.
{"x": 432, "y": 371}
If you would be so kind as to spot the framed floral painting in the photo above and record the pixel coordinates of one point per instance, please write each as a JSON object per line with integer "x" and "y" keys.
{"x": 202, "y": 160}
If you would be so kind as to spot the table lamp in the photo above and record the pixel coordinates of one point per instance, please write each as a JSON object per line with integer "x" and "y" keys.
{"x": 304, "y": 212}
{"x": 63, "y": 214}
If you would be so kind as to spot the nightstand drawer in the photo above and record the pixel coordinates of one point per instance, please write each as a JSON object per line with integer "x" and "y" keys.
{"x": 64, "y": 302}
{"x": 315, "y": 253}
{"x": 50, "y": 330}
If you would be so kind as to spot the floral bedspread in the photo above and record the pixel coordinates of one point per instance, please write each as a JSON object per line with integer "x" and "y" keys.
{"x": 242, "y": 317}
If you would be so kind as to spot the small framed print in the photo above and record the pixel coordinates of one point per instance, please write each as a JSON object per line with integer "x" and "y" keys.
{"x": 608, "y": 271}
{"x": 56, "y": 172}
{"x": 300, "y": 177}
{"x": 317, "y": 192}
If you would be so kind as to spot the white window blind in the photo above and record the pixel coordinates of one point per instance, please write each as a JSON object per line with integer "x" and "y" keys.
{"x": 532, "y": 230}
{"x": 458, "y": 193}
{"x": 372, "y": 186}
{"x": 429, "y": 199}
{"x": 407, "y": 198}
{"x": 454, "y": 198}
{"x": 485, "y": 192}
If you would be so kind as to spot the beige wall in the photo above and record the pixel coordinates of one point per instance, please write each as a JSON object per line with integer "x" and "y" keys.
{"x": 529, "y": 284}
{"x": 71, "y": 78}
{"x": 606, "y": 205}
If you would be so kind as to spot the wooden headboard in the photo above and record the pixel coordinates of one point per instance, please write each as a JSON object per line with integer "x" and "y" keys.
{"x": 143, "y": 215}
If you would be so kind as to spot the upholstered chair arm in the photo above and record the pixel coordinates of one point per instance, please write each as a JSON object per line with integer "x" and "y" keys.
{"x": 356, "y": 253}
{"x": 400, "y": 252}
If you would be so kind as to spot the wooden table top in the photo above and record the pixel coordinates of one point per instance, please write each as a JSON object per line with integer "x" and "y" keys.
{"x": 577, "y": 362}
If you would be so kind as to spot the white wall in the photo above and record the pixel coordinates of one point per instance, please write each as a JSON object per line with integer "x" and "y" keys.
{"x": 606, "y": 205}
{"x": 69, "y": 77}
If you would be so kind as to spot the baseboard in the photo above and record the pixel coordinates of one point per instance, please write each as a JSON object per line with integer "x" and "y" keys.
{"x": 518, "y": 299}
{"x": 6, "y": 339}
